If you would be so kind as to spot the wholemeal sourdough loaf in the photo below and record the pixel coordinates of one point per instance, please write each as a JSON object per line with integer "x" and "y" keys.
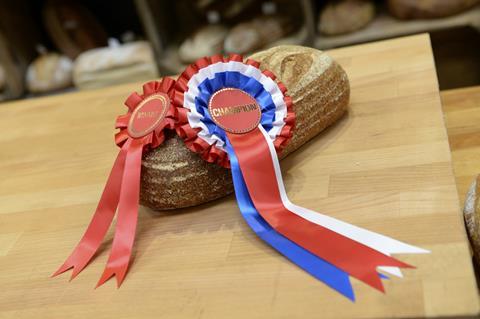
{"x": 471, "y": 213}
{"x": 175, "y": 177}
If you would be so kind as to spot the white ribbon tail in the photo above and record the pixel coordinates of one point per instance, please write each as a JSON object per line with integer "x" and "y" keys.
{"x": 381, "y": 243}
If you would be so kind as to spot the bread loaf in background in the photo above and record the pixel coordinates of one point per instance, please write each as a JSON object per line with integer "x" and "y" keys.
{"x": 2, "y": 78}
{"x": 208, "y": 40}
{"x": 345, "y": 16}
{"x": 428, "y": 9}
{"x": 115, "y": 64}
{"x": 175, "y": 177}
{"x": 471, "y": 213}
{"x": 49, "y": 72}
{"x": 249, "y": 36}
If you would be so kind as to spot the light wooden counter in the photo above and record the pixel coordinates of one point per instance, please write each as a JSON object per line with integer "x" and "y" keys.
{"x": 462, "y": 117}
{"x": 386, "y": 166}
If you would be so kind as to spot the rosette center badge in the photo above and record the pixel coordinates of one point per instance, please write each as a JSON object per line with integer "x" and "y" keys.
{"x": 148, "y": 115}
{"x": 234, "y": 110}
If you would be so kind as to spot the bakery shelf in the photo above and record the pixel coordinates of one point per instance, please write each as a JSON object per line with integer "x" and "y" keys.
{"x": 385, "y": 26}
{"x": 155, "y": 23}
{"x": 170, "y": 63}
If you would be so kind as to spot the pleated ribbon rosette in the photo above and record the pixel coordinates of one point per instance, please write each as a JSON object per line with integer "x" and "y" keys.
{"x": 236, "y": 115}
{"x": 141, "y": 128}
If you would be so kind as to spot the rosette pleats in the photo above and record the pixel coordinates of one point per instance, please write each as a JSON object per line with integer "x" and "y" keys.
{"x": 203, "y": 78}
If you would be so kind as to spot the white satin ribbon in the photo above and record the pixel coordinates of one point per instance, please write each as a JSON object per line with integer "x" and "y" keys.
{"x": 381, "y": 243}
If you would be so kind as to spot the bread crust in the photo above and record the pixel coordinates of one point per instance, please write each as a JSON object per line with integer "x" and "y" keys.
{"x": 471, "y": 213}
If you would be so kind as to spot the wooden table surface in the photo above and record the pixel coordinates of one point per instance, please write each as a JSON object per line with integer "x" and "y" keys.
{"x": 462, "y": 118}
{"x": 386, "y": 166}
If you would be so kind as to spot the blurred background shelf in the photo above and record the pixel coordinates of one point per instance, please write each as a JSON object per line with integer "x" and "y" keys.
{"x": 161, "y": 29}
{"x": 169, "y": 61}
{"x": 85, "y": 45}
{"x": 385, "y": 26}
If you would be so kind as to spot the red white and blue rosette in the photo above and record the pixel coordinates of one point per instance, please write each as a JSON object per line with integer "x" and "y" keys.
{"x": 236, "y": 115}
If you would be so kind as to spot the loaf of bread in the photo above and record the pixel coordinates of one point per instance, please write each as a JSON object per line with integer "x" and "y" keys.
{"x": 208, "y": 40}
{"x": 345, "y": 16}
{"x": 49, "y": 72}
{"x": 471, "y": 213}
{"x": 72, "y": 27}
{"x": 428, "y": 9}
{"x": 227, "y": 9}
{"x": 2, "y": 78}
{"x": 252, "y": 35}
{"x": 174, "y": 177}
{"x": 118, "y": 63}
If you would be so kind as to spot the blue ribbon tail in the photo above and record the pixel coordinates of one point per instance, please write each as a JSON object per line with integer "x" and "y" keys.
{"x": 315, "y": 266}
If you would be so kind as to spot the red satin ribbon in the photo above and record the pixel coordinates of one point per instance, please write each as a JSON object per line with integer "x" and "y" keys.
{"x": 122, "y": 245}
{"x": 98, "y": 227}
{"x": 122, "y": 189}
{"x": 101, "y": 220}
{"x": 258, "y": 171}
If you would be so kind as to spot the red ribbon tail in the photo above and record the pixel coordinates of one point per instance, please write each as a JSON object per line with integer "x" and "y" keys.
{"x": 370, "y": 275}
{"x": 118, "y": 261}
{"x": 257, "y": 168}
{"x": 101, "y": 220}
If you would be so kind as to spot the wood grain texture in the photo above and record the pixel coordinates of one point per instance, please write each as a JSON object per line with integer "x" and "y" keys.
{"x": 386, "y": 166}
{"x": 462, "y": 117}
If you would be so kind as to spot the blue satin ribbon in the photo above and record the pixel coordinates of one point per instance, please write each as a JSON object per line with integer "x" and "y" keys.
{"x": 315, "y": 266}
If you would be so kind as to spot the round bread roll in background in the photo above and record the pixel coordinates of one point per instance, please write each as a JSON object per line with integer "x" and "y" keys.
{"x": 49, "y": 72}
{"x": 252, "y": 35}
{"x": 345, "y": 16}
{"x": 207, "y": 41}
{"x": 175, "y": 177}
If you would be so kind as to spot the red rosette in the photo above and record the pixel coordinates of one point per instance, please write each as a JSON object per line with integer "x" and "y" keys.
{"x": 210, "y": 152}
{"x": 150, "y": 89}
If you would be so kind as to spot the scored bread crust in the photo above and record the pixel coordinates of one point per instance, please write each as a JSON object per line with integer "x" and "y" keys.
{"x": 175, "y": 177}
{"x": 471, "y": 214}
